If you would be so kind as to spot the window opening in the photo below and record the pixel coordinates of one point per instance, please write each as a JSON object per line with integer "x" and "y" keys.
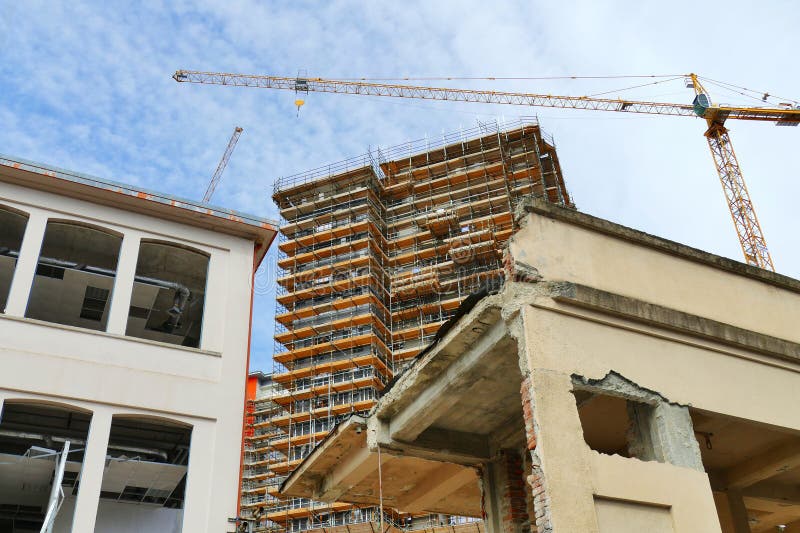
{"x": 74, "y": 275}
{"x": 167, "y": 302}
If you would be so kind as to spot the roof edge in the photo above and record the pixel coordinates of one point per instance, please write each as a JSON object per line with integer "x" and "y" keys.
{"x": 41, "y": 169}
{"x": 612, "y": 229}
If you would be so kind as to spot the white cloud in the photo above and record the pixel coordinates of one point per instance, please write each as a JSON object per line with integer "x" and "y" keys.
{"x": 87, "y": 87}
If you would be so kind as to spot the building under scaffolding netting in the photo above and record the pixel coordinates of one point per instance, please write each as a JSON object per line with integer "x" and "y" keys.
{"x": 376, "y": 253}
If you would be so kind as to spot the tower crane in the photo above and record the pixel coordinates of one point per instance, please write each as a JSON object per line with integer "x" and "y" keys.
{"x": 748, "y": 229}
{"x": 212, "y": 185}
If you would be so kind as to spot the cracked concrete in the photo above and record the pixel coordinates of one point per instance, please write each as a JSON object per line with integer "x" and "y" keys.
{"x": 660, "y": 430}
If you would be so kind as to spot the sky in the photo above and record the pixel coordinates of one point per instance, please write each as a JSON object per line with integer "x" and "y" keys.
{"x": 87, "y": 86}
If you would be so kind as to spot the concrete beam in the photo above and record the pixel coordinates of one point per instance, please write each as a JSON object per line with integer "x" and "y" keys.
{"x": 434, "y": 445}
{"x": 664, "y": 433}
{"x": 309, "y": 477}
{"x": 457, "y": 442}
{"x": 739, "y": 516}
{"x": 445, "y": 480}
{"x": 770, "y": 463}
{"x": 348, "y": 474}
{"x": 774, "y": 492}
{"x": 773, "y": 514}
{"x": 443, "y": 394}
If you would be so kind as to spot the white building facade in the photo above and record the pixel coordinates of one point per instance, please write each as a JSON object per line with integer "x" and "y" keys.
{"x": 124, "y": 331}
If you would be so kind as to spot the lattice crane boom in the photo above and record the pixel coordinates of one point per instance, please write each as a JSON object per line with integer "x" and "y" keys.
{"x": 212, "y": 185}
{"x": 751, "y": 237}
{"x": 741, "y": 208}
{"x": 789, "y": 116}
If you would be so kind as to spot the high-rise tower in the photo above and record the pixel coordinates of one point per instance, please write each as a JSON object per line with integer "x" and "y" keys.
{"x": 377, "y": 252}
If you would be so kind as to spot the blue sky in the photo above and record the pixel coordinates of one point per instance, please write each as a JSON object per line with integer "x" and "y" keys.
{"x": 87, "y": 86}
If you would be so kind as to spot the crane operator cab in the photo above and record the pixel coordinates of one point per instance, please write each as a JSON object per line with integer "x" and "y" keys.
{"x": 701, "y": 104}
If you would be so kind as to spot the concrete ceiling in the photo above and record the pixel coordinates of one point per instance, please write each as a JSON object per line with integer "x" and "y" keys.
{"x": 173, "y": 263}
{"x": 450, "y": 411}
{"x": 82, "y": 245}
{"x": 26, "y": 480}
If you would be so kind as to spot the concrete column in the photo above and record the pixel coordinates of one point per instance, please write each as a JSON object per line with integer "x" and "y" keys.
{"x": 26, "y": 265}
{"x": 491, "y": 487}
{"x": 94, "y": 462}
{"x": 741, "y": 522}
{"x": 664, "y": 432}
{"x": 199, "y": 481}
{"x": 123, "y": 284}
{"x": 513, "y": 501}
{"x": 214, "y": 306}
{"x": 560, "y": 471}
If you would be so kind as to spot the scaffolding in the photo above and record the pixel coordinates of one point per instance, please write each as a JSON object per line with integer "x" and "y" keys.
{"x": 449, "y": 215}
{"x": 376, "y": 253}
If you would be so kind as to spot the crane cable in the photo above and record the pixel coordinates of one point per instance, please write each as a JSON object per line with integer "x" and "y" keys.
{"x": 755, "y": 94}
{"x": 731, "y": 87}
{"x": 495, "y": 78}
{"x": 634, "y": 87}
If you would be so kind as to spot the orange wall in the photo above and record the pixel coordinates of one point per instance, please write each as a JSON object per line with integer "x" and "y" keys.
{"x": 249, "y": 395}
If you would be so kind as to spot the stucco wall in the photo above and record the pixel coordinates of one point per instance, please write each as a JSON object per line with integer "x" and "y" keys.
{"x": 109, "y": 374}
{"x": 568, "y": 252}
{"x": 588, "y": 491}
{"x": 118, "y": 517}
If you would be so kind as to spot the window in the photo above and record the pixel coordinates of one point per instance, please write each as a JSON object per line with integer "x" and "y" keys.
{"x": 12, "y": 228}
{"x": 32, "y": 435}
{"x": 146, "y": 463}
{"x": 74, "y": 275}
{"x": 168, "y": 294}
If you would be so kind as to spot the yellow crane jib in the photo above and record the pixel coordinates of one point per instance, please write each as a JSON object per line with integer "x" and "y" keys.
{"x": 746, "y": 223}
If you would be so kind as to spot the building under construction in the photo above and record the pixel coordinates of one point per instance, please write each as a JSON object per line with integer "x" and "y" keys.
{"x": 376, "y": 253}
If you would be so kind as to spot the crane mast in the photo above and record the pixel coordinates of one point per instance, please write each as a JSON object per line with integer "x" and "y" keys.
{"x": 748, "y": 229}
{"x": 751, "y": 238}
{"x": 212, "y": 185}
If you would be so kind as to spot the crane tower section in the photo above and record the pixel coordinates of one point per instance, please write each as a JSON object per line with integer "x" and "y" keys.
{"x": 212, "y": 186}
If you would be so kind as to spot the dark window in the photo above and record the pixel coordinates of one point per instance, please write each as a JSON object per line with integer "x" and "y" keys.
{"x": 168, "y": 294}
{"x": 74, "y": 275}
{"x": 138, "y": 312}
{"x": 32, "y": 437}
{"x": 94, "y": 303}
{"x": 151, "y": 456}
{"x": 49, "y": 271}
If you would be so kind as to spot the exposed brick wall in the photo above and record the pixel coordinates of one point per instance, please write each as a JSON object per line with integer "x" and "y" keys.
{"x": 527, "y": 413}
{"x": 514, "y": 507}
{"x": 536, "y": 479}
{"x": 531, "y": 510}
{"x": 515, "y": 270}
